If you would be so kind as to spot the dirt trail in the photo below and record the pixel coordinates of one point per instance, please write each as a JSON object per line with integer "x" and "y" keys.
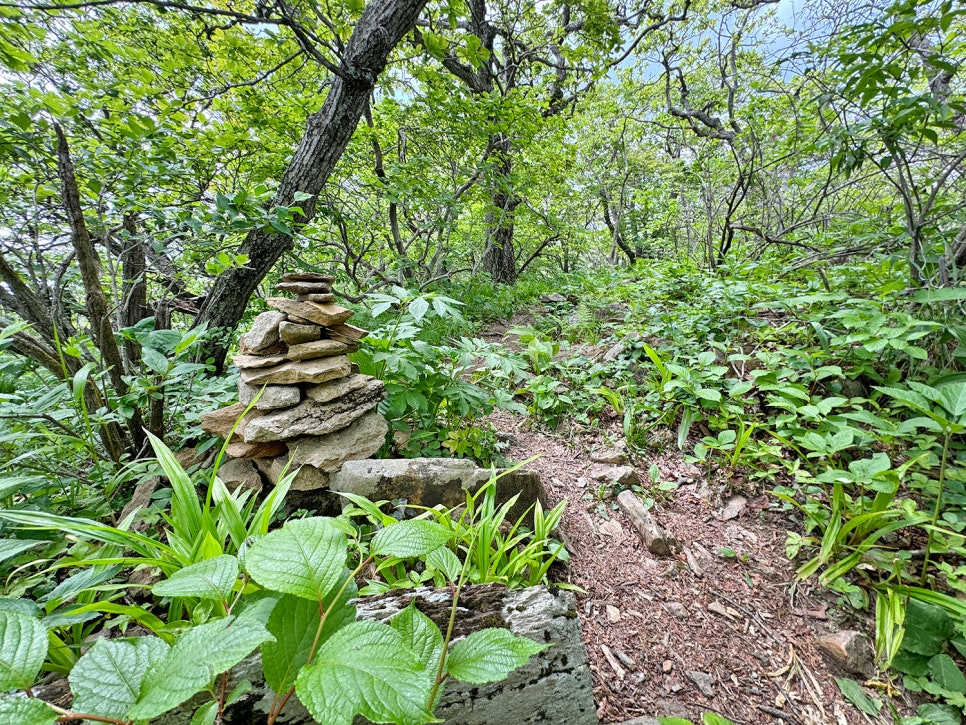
{"x": 722, "y": 626}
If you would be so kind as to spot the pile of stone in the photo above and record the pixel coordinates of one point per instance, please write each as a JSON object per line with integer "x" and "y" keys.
{"x": 313, "y": 411}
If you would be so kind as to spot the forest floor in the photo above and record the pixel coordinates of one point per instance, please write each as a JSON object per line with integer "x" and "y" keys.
{"x": 721, "y": 627}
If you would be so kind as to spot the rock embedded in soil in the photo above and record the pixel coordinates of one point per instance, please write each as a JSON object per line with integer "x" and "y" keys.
{"x": 615, "y": 475}
{"x": 850, "y": 650}
{"x": 326, "y": 315}
{"x": 319, "y": 370}
{"x": 733, "y": 507}
{"x": 438, "y": 481}
{"x": 614, "y": 456}
{"x": 658, "y": 542}
{"x": 704, "y": 682}
{"x": 263, "y": 332}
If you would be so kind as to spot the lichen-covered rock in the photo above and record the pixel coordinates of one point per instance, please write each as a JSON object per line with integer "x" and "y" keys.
{"x": 327, "y": 453}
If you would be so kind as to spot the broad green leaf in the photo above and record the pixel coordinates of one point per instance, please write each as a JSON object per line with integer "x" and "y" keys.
{"x": 954, "y": 398}
{"x": 366, "y": 669}
{"x": 26, "y": 711}
{"x": 305, "y": 558}
{"x": 854, "y": 693}
{"x": 107, "y": 679}
{"x": 11, "y": 547}
{"x": 154, "y": 360}
{"x": 489, "y": 655}
{"x": 418, "y": 308}
{"x": 420, "y": 634}
{"x": 713, "y": 718}
{"x": 294, "y": 624}
{"x": 23, "y": 647}
{"x": 865, "y": 468}
{"x": 205, "y": 715}
{"x": 927, "y": 628}
{"x": 947, "y": 674}
{"x": 208, "y": 579}
{"x": 940, "y": 295}
{"x": 445, "y": 561}
{"x": 410, "y": 538}
{"x": 199, "y": 655}
{"x": 936, "y": 714}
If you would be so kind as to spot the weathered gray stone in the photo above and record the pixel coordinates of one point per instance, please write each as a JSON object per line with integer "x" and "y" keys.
{"x": 308, "y": 478}
{"x": 327, "y": 315}
{"x": 614, "y": 456}
{"x": 272, "y": 398}
{"x": 324, "y": 392}
{"x": 299, "y": 371}
{"x": 304, "y": 288}
{"x": 316, "y": 419}
{"x": 219, "y": 422}
{"x": 554, "y": 687}
{"x": 346, "y": 332}
{"x": 294, "y": 334}
{"x": 263, "y": 332}
{"x": 268, "y": 449}
{"x": 615, "y": 475}
{"x": 436, "y": 481}
{"x": 658, "y": 542}
{"x": 251, "y": 362}
{"x": 850, "y": 650}
{"x": 360, "y": 440}
{"x": 240, "y": 473}
{"x": 317, "y": 348}
{"x": 316, "y": 297}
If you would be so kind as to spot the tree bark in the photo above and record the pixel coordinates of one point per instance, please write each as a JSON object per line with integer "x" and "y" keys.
{"x": 328, "y": 131}
{"x": 499, "y": 257}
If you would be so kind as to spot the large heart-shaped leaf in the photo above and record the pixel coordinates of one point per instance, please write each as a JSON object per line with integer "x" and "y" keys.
{"x": 489, "y": 655}
{"x": 107, "y": 679}
{"x": 365, "y": 668}
{"x": 305, "y": 558}
{"x": 410, "y": 538}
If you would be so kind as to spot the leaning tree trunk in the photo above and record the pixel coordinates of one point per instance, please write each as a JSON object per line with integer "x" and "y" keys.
{"x": 327, "y": 133}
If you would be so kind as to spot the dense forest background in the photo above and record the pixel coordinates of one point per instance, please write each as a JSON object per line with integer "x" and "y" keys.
{"x": 763, "y": 205}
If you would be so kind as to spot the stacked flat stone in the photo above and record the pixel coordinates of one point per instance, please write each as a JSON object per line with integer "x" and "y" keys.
{"x": 315, "y": 411}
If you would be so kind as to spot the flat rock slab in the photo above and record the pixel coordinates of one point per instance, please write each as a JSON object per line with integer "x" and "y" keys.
{"x": 294, "y": 333}
{"x": 308, "y": 277}
{"x": 347, "y": 332}
{"x": 273, "y": 397}
{"x": 270, "y": 449}
{"x": 307, "y": 478}
{"x": 306, "y": 288}
{"x": 311, "y": 418}
{"x": 317, "y": 348}
{"x": 219, "y": 422}
{"x": 437, "y": 481}
{"x": 325, "y": 392}
{"x": 249, "y": 362}
{"x": 328, "y": 315}
{"x": 294, "y": 372}
{"x": 359, "y": 440}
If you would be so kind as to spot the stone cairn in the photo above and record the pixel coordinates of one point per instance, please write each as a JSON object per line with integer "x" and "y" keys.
{"x": 316, "y": 411}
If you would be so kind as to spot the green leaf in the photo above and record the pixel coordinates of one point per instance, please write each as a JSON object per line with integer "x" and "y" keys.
{"x": 713, "y": 718}
{"x": 107, "y": 679}
{"x": 154, "y": 360}
{"x": 940, "y": 295}
{"x": 947, "y": 674}
{"x": 305, "y": 558}
{"x": 444, "y": 560}
{"x": 205, "y": 715}
{"x": 489, "y": 655}
{"x": 856, "y": 695}
{"x": 23, "y": 647}
{"x": 927, "y": 628}
{"x": 935, "y": 714}
{"x": 26, "y": 711}
{"x": 9, "y": 548}
{"x": 208, "y": 579}
{"x": 954, "y": 398}
{"x": 366, "y": 668}
{"x": 420, "y": 634}
{"x": 190, "y": 665}
{"x": 294, "y": 624}
{"x": 418, "y": 308}
{"x": 410, "y": 538}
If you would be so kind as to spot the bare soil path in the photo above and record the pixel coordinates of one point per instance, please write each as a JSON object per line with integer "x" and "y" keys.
{"x": 720, "y": 627}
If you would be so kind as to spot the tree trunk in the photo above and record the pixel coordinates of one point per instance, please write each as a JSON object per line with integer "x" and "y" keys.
{"x": 499, "y": 258}
{"x": 327, "y": 133}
